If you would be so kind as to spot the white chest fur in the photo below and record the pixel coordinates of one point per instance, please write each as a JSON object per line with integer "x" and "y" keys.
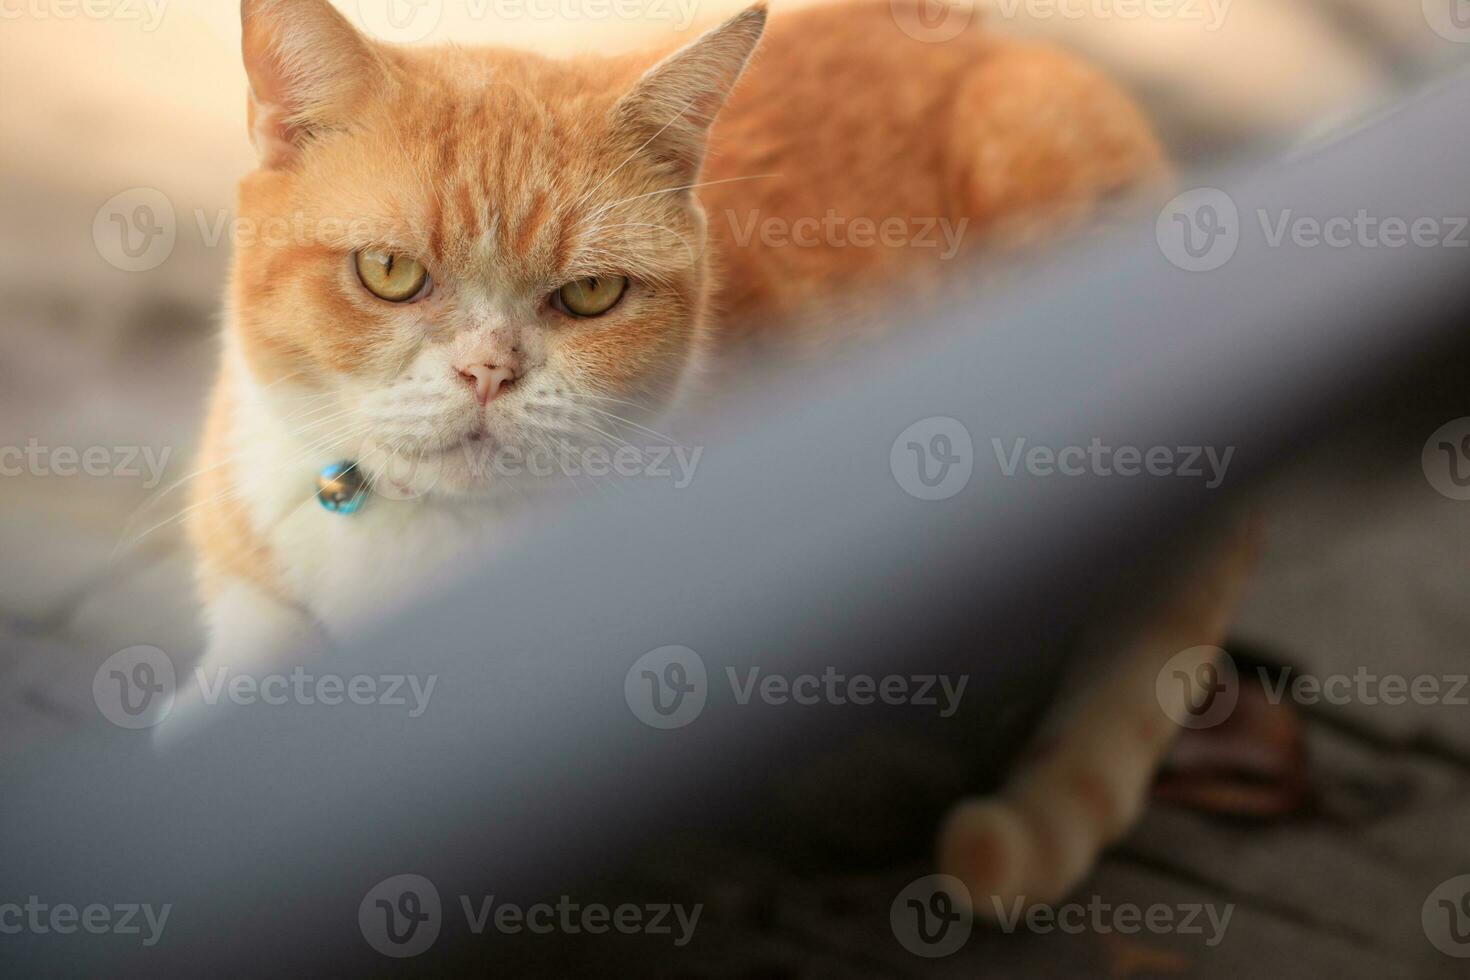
{"x": 345, "y": 569}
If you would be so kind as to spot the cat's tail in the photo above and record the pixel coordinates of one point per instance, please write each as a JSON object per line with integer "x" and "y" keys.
{"x": 1085, "y": 785}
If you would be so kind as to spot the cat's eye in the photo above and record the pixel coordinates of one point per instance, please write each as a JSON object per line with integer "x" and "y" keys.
{"x": 395, "y": 278}
{"x": 592, "y": 296}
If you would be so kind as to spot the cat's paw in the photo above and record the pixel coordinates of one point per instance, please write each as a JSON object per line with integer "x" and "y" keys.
{"x": 985, "y": 844}
{"x": 252, "y": 635}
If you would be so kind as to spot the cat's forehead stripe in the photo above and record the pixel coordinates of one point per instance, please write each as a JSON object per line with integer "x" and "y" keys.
{"x": 492, "y": 167}
{"x": 526, "y": 191}
{"x": 532, "y": 223}
{"x": 469, "y": 210}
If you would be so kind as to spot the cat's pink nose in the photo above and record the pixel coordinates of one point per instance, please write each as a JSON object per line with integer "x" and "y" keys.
{"x": 489, "y": 380}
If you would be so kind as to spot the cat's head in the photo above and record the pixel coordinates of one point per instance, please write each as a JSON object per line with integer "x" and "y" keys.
{"x": 451, "y": 248}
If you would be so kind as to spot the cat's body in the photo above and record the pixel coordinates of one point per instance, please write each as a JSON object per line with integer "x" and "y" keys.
{"x": 972, "y": 145}
{"x": 492, "y": 182}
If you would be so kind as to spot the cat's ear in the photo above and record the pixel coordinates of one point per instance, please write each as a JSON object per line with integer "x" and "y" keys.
{"x": 672, "y": 106}
{"x": 307, "y": 66}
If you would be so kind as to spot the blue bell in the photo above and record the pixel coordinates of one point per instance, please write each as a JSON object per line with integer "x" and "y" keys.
{"x": 341, "y": 487}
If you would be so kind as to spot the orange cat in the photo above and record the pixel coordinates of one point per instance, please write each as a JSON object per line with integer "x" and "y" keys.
{"x": 467, "y": 253}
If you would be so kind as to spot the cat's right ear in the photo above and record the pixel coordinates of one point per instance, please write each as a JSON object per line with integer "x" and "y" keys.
{"x": 307, "y": 67}
{"x": 673, "y": 105}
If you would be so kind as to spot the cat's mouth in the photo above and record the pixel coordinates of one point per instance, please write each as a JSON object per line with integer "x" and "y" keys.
{"x": 408, "y": 469}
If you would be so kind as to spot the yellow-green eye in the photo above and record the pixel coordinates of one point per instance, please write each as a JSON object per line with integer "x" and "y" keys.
{"x": 395, "y": 278}
{"x": 592, "y": 296}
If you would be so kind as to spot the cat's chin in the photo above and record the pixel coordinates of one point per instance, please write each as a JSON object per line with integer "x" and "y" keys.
{"x": 457, "y": 472}
{"x": 475, "y": 468}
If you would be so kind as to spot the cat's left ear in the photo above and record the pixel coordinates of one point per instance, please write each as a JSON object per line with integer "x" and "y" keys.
{"x": 308, "y": 68}
{"x": 672, "y": 106}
